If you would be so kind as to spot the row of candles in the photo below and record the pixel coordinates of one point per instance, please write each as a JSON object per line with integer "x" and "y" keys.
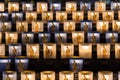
{"x": 60, "y": 15}
{"x": 69, "y": 6}
{"x": 68, "y": 26}
{"x": 77, "y": 37}
{"x": 63, "y": 75}
{"x": 50, "y": 50}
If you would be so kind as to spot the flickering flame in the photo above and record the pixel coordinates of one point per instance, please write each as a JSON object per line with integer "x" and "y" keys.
{"x": 85, "y": 47}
